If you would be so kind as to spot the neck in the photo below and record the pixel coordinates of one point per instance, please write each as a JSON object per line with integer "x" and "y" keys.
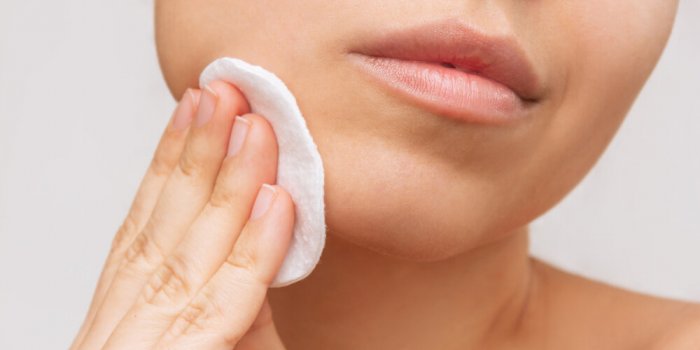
{"x": 358, "y": 299}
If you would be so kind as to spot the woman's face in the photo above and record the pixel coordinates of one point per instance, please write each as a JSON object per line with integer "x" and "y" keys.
{"x": 401, "y": 179}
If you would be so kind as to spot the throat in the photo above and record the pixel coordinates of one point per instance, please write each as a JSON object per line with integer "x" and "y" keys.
{"x": 359, "y": 299}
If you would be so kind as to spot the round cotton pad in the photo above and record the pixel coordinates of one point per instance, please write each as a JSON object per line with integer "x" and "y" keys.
{"x": 299, "y": 168}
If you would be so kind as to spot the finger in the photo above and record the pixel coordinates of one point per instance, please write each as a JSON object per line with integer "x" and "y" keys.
{"x": 212, "y": 236}
{"x": 225, "y": 308}
{"x": 186, "y": 191}
{"x": 162, "y": 164}
{"x": 262, "y": 334}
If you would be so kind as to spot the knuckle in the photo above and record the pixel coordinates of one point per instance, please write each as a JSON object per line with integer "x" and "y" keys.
{"x": 197, "y": 316}
{"x": 169, "y": 284}
{"x": 160, "y": 167}
{"x": 224, "y": 196}
{"x": 124, "y": 235}
{"x": 192, "y": 318}
{"x": 244, "y": 261}
{"x": 189, "y": 164}
{"x": 143, "y": 251}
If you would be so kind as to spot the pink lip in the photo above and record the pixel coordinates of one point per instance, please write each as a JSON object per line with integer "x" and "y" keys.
{"x": 454, "y": 71}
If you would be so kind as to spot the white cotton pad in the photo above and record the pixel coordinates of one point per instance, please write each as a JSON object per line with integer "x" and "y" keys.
{"x": 299, "y": 168}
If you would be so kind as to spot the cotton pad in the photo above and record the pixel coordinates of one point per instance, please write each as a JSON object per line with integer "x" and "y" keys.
{"x": 299, "y": 168}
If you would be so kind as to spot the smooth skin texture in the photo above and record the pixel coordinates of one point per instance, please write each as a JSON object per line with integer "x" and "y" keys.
{"x": 428, "y": 218}
{"x": 204, "y": 238}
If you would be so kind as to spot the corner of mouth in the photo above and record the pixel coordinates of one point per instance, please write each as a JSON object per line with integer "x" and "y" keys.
{"x": 451, "y": 42}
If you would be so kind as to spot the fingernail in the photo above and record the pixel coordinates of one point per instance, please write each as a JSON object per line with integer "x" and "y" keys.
{"x": 266, "y": 196}
{"x": 182, "y": 117}
{"x": 238, "y": 134}
{"x": 207, "y": 105}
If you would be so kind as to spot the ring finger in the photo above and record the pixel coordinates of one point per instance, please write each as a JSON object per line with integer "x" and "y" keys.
{"x": 185, "y": 193}
{"x": 212, "y": 237}
{"x": 164, "y": 160}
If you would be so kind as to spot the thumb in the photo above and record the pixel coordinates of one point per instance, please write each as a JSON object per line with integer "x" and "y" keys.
{"x": 262, "y": 334}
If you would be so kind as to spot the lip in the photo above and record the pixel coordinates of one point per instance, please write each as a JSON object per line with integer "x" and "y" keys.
{"x": 453, "y": 70}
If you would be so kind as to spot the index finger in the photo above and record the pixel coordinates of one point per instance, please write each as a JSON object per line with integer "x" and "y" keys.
{"x": 167, "y": 153}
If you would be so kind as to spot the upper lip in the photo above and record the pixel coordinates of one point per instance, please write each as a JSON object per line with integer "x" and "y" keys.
{"x": 451, "y": 42}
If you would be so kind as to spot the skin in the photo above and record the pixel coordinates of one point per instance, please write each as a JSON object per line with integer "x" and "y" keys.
{"x": 439, "y": 259}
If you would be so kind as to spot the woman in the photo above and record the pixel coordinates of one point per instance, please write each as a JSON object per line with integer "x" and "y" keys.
{"x": 445, "y": 128}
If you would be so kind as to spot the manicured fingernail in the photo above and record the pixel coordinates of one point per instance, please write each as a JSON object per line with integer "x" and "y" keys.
{"x": 182, "y": 117}
{"x": 266, "y": 196}
{"x": 207, "y": 105}
{"x": 241, "y": 125}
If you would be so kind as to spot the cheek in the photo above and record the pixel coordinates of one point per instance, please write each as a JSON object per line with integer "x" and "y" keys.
{"x": 399, "y": 204}
{"x": 609, "y": 49}
{"x": 393, "y": 202}
{"x": 191, "y": 34}
{"x": 382, "y": 190}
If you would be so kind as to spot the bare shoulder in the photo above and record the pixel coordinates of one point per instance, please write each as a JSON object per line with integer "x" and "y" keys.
{"x": 618, "y": 318}
{"x": 684, "y": 334}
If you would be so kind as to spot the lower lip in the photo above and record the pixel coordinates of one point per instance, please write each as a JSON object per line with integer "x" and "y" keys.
{"x": 446, "y": 91}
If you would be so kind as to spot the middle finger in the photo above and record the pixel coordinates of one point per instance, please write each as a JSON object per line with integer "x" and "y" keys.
{"x": 211, "y": 238}
{"x": 185, "y": 194}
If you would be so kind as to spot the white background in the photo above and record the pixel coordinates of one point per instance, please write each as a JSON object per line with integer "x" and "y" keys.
{"x": 82, "y": 105}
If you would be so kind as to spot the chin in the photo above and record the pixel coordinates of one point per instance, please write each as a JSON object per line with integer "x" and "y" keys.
{"x": 418, "y": 237}
{"x": 412, "y": 215}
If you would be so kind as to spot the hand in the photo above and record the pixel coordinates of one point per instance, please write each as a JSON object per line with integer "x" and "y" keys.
{"x": 190, "y": 266}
